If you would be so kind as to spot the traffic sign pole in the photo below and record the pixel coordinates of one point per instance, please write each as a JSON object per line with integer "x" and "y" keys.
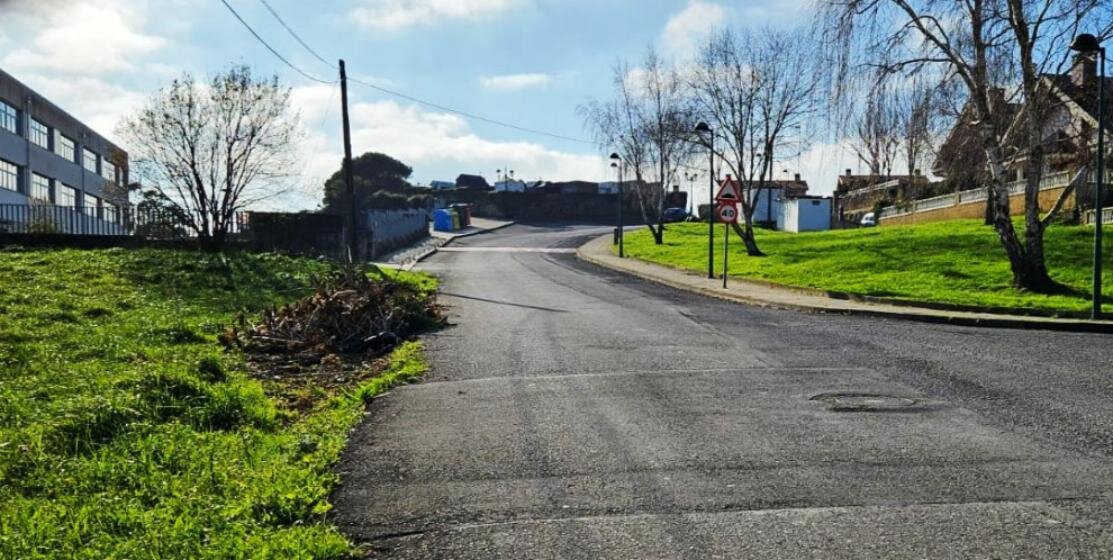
{"x": 726, "y": 251}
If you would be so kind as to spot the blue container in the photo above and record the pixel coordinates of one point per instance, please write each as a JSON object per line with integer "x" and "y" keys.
{"x": 442, "y": 220}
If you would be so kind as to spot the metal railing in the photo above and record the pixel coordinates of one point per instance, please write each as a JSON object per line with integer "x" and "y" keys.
{"x": 151, "y": 223}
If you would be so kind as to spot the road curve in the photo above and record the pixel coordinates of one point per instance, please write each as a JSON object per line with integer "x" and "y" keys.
{"x": 576, "y": 413}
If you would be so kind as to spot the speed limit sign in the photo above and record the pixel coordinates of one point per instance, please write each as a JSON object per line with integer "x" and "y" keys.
{"x": 728, "y": 213}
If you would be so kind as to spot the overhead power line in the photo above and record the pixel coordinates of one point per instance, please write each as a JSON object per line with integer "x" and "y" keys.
{"x": 271, "y": 49}
{"x": 394, "y": 93}
{"x": 295, "y": 35}
{"x": 466, "y": 114}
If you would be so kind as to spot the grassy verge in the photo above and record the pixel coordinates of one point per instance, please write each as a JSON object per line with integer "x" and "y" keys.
{"x": 956, "y": 262}
{"x": 126, "y": 432}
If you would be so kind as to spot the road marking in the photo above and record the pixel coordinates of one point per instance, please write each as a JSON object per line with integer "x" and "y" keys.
{"x": 506, "y": 250}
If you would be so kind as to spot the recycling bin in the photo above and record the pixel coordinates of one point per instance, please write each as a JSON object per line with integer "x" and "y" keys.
{"x": 442, "y": 220}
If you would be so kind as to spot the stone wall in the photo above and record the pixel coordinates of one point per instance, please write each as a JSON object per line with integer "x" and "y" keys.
{"x": 386, "y": 231}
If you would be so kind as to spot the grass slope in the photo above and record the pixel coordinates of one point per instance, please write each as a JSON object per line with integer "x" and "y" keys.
{"x": 125, "y": 432}
{"x": 956, "y": 262}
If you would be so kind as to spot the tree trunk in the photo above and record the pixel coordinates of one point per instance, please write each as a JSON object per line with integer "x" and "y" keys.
{"x": 746, "y": 233}
{"x": 990, "y": 196}
{"x": 1029, "y": 271}
{"x": 211, "y": 243}
{"x": 1036, "y": 277}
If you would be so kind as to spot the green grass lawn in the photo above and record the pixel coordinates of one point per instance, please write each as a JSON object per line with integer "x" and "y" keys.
{"x": 127, "y": 432}
{"x": 956, "y": 262}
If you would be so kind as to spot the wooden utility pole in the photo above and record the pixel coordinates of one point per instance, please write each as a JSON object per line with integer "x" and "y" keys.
{"x": 349, "y": 182}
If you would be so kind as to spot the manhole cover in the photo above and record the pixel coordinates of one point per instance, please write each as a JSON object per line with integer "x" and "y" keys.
{"x": 864, "y": 402}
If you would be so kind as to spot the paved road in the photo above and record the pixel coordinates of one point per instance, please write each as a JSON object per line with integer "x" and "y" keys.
{"x": 575, "y": 413}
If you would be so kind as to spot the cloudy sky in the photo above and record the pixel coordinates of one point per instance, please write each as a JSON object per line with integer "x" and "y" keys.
{"x": 527, "y": 62}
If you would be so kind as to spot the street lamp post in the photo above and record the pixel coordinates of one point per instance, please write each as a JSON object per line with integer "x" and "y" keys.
{"x": 1086, "y": 43}
{"x": 704, "y": 129}
{"x": 617, "y": 162}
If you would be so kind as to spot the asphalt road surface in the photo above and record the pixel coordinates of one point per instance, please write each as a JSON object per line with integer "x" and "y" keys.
{"x": 577, "y": 413}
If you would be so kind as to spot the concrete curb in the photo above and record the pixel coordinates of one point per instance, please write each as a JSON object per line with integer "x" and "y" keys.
{"x": 433, "y": 250}
{"x": 449, "y": 240}
{"x": 792, "y": 299}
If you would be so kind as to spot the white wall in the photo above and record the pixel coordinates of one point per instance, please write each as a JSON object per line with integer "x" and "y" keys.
{"x": 806, "y": 214}
{"x": 766, "y": 206}
{"x": 510, "y": 186}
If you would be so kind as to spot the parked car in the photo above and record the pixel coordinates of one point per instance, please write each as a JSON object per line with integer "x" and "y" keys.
{"x": 675, "y": 215}
{"x": 868, "y": 220}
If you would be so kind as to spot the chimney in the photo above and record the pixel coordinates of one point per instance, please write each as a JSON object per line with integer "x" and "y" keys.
{"x": 1084, "y": 71}
{"x": 916, "y": 172}
{"x": 797, "y": 177}
{"x": 849, "y": 172}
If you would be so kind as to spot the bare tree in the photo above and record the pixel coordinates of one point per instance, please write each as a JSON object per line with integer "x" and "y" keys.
{"x": 917, "y": 114}
{"x": 876, "y": 134}
{"x": 647, "y": 124}
{"x": 754, "y": 88}
{"x": 990, "y": 46}
{"x": 896, "y": 123}
{"x": 209, "y": 150}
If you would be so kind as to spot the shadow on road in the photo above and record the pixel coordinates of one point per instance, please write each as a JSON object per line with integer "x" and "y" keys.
{"x": 497, "y": 302}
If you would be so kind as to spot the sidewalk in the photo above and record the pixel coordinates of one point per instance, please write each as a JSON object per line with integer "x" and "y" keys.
{"x": 598, "y": 251}
{"x": 407, "y": 258}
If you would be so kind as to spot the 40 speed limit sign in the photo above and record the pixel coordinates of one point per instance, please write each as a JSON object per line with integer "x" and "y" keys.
{"x": 728, "y": 213}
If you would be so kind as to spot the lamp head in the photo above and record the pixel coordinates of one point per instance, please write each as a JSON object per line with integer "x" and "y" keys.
{"x": 616, "y": 157}
{"x": 703, "y": 128}
{"x": 1086, "y": 43}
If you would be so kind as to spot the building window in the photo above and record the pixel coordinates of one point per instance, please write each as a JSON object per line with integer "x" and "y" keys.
{"x": 40, "y": 187}
{"x": 9, "y": 176}
{"x": 65, "y": 196}
{"x": 91, "y": 203}
{"x": 65, "y": 147}
{"x": 109, "y": 211}
{"x": 89, "y": 160}
{"x": 108, "y": 171}
{"x": 9, "y": 118}
{"x": 40, "y": 134}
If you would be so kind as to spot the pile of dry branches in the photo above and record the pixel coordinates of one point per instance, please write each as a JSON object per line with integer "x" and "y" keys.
{"x": 349, "y": 314}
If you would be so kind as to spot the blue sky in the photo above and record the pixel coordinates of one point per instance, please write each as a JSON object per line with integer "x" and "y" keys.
{"x": 529, "y": 62}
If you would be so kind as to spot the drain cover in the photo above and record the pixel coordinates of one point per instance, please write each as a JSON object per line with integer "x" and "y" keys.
{"x": 864, "y": 402}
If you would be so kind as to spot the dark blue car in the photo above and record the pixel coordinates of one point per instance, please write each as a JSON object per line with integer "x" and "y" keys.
{"x": 675, "y": 215}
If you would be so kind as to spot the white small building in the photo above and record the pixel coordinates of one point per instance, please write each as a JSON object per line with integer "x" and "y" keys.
{"x": 510, "y": 185}
{"x": 805, "y": 213}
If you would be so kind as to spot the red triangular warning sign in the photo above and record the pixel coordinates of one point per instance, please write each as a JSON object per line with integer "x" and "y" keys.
{"x": 728, "y": 191}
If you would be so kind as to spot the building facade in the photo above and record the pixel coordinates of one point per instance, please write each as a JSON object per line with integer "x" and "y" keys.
{"x": 48, "y": 157}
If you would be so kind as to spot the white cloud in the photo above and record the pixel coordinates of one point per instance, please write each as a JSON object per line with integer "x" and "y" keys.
{"x": 687, "y": 29}
{"x": 821, "y": 164}
{"x": 97, "y": 103}
{"x": 515, "y": 82}
{"x": 87, "y": 56}
{"x": 444, "y": 144}
{"x": 399, "y": 14}
{"x": 437, "y": 145}
{"x": 84, "y": 38}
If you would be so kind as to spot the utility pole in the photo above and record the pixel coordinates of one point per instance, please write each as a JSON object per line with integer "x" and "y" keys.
{"x": 349, "y": 182}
